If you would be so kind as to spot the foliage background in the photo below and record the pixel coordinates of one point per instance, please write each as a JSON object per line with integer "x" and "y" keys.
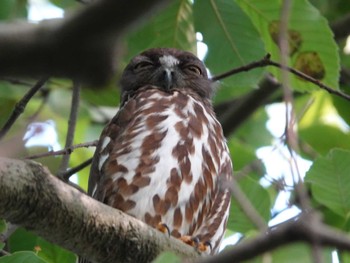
{"x": 236, "y": 32}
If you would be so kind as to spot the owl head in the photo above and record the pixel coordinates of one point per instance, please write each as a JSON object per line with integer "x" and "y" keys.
{"x": 167, "y": 69}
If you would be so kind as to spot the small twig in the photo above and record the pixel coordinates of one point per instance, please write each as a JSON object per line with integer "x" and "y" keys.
{"x": 75, "y": 169}
{"x": 16, "y": 81}
{"x": 254, "y": 166}
{"x": 63, "y": 151}
{"x": 266, "y": 61}
{"x": 45, "y": 97}
{"x": 312, "y": 80}
{"x": 71, "y": 128}
{"x": 247, "y": 206}
{"x": 255, "y": 64}
{"x": 20, "y": 106}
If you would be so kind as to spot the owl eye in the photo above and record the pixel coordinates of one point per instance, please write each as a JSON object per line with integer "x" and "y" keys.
{"x": 194, "y": 69}
{"x": 143, "y": 64}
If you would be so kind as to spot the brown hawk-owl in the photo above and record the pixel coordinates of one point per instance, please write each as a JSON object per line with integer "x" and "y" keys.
{"x": 163, "y": 158}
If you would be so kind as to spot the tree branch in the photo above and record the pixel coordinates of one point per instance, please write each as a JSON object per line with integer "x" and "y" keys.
{"x": 73, "y": 116}
{"x": 20, "y": 106}
{"x": 73, "y": 47}
{"x": 31, "y": 197}
{"x": 64, "y": 151}
{"x": 285, "y": 233}
{"x": 233, "y": 113}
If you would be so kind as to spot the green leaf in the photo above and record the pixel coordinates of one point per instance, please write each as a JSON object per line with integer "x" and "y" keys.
{"x": 22, "y": 257}
{"x": 167, "y": 257}
{"x": 173, "y": 27}
{"x": 297, "y": 252}
{"x": 344, "y": 256}
{"x": 106, "y": 97}
{"x": 52, "y": 253}
{"x": 260, "y": 199}
{"x": 320, "y": 121}
{"x": 309, "y": 34}
{"x": 300, "y": 252}
{"x": 10, "y": 9}
{"x": 232, "y": 42}
{"x": 330, "y": 181}
{"x": 254, "y": 131}
{"x": 244, "y": 158}
{"x": 3, "y": 226}
{"x": 343, "y": 108}
{"x": 22, "y": 240}
{"x": 322, "y": 138}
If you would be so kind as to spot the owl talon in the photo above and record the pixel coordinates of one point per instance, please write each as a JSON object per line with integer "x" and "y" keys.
{"x": 194, "y": 242}
{"x": 203, "y": 246}
{"x": 163, "y": 228}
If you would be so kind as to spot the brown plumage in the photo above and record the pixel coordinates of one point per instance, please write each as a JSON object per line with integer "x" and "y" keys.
{"x": 163, "y": 158}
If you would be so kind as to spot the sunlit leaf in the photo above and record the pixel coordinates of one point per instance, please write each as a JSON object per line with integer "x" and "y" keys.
{"x": 330, "y": 181}
{"x": 54, "y": 254}
{"x": 3, "y": 226}
{"x": 167, "y": 257}
{"x": 232, "y": 42}
{"x": 12, "y": 9}
{"x": 314, "y": 37}
{"x": 173, "y": 27}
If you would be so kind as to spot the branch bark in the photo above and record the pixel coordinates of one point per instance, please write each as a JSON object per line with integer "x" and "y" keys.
{"x": 33, "y": 198}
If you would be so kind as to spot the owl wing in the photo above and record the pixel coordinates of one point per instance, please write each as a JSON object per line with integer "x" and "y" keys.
{"x": 111, "y": 133}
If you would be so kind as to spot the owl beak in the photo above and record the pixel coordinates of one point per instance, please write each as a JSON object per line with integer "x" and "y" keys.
{"x": 168, "y": 78}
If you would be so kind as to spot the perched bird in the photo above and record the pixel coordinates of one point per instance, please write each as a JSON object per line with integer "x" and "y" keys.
{"x": 163, "y": 158}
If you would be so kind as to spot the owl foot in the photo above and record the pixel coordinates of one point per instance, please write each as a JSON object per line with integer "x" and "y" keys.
{"x": 194, "y": 242}
{"x": 163, "y": 228}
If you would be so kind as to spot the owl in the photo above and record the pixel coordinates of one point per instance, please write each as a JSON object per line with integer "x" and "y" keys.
{"x": 163, "y": 158}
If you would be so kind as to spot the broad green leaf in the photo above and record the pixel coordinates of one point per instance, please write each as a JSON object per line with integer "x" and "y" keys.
{"x": 2, "y": 245}
{"x": 259, "y": 198}
{"x": 3, "y": 226}
{"x": 24, "y": 240}
{"x": 253, "y": 131}
{"x": 314, "y": 50}
{"x": 242, "y": 153}
{"x": 344, "y": 256}
{"x": 321, "y": 120}
{"x": 329, "y": 178}
{"x": 167, "y": 257}
{"x": 101, "y": 97}
{"x": 343, "y": 108}
{"x": 322, "y": 137}
{"x": 298, "y": 252}
{"x": 232, "y": 42}
{"x": 21, "y": 239}
{"x": 244, "y": 159}
{"x": 173, "y": 27}
{"x": 22, "y": 257}
{"x": 54, "y": 254}
{"x": 11, "y": 9}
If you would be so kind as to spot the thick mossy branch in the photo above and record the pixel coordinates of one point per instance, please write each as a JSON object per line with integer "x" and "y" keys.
{"x": 33, "y": 198}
